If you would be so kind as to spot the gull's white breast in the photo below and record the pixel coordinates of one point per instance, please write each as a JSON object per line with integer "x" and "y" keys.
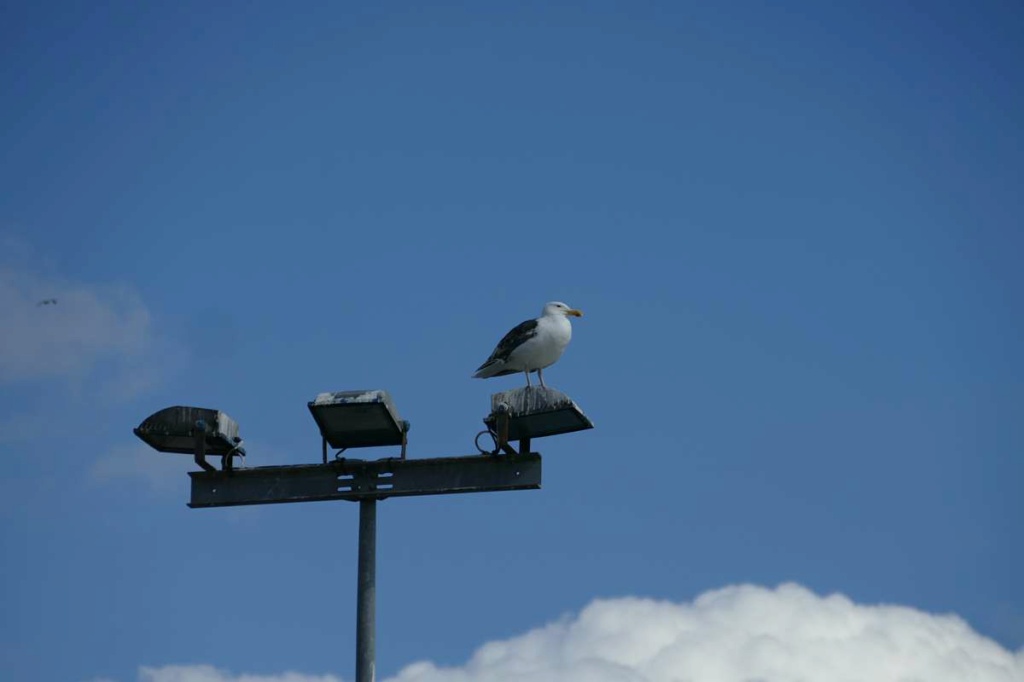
{"x": 543, "y": 350}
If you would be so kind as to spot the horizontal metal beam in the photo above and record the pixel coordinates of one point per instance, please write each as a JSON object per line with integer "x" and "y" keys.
{"x": 356, "y": 479}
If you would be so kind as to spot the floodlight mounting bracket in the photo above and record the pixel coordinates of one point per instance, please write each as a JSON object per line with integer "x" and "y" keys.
{"x": 200, "y": 452}
{"x": 227, "y": 460}
{"x": 405, "y": 443}
{"x": 501, "y": 416}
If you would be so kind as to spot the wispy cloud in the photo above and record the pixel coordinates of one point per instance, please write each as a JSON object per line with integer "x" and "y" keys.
{"x": 58, "y": 328}
{"x": 740, "y": 633}
{"x": 85, "y": 326}
{"x": 24, "y": 426}
{"x": 207, "y": 673}
{"x": 162, "y": 473}
{"x": 136, "y": 462}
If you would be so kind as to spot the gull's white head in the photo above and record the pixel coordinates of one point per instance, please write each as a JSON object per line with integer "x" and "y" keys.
{"x": 559, "y": 308}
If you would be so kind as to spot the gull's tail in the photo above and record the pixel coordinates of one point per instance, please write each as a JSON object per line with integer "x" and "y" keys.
{"x": 491, "y": 368}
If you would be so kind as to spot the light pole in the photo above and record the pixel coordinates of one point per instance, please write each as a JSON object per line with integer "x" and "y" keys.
{"x": 354, "y": 419}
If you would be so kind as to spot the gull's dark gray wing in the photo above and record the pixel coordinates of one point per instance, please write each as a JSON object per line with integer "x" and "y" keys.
{"x": 521, "y": 333}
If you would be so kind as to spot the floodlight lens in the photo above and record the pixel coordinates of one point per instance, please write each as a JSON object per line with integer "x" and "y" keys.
{"x": 355, "y": 419}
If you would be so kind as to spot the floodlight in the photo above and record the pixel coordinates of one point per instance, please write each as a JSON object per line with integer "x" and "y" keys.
{"x": 358, "y": 419}
{"x": 175, "y": 429}
{"x": 536, "y": 412}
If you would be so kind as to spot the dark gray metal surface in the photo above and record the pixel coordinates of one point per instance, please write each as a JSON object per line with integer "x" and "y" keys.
{"x": 366, "y": 592}
{"x": 536, "y": 412}
{"x": 358, "y": 419}
{"x": 174, "y": 429}
{"x": 352, "y": 479}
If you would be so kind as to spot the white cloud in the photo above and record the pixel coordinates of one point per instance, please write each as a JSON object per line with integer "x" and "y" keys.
{"x": 737, "y": 634}
{"x": 89, "y": 325}
{"x": 207, "y": 673}
{"x": 740, "y": 633}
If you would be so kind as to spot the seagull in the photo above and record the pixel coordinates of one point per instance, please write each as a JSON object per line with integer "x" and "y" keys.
{"x": 532, "y": 345}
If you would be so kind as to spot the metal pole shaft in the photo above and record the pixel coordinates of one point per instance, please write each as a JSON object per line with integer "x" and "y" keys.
{"x": 366, "y": 598}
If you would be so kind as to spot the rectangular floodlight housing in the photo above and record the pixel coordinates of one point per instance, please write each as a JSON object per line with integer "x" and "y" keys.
{"x": 358, "y": 419}
{"x": 174, "y": 429}
{"x": 536, "y": 412}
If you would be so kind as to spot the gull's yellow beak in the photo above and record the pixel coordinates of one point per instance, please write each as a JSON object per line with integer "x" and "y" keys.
{"x": 574, "y": 312}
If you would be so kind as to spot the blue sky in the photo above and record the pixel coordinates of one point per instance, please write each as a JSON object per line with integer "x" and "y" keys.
{"x": 795, "y": 232}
